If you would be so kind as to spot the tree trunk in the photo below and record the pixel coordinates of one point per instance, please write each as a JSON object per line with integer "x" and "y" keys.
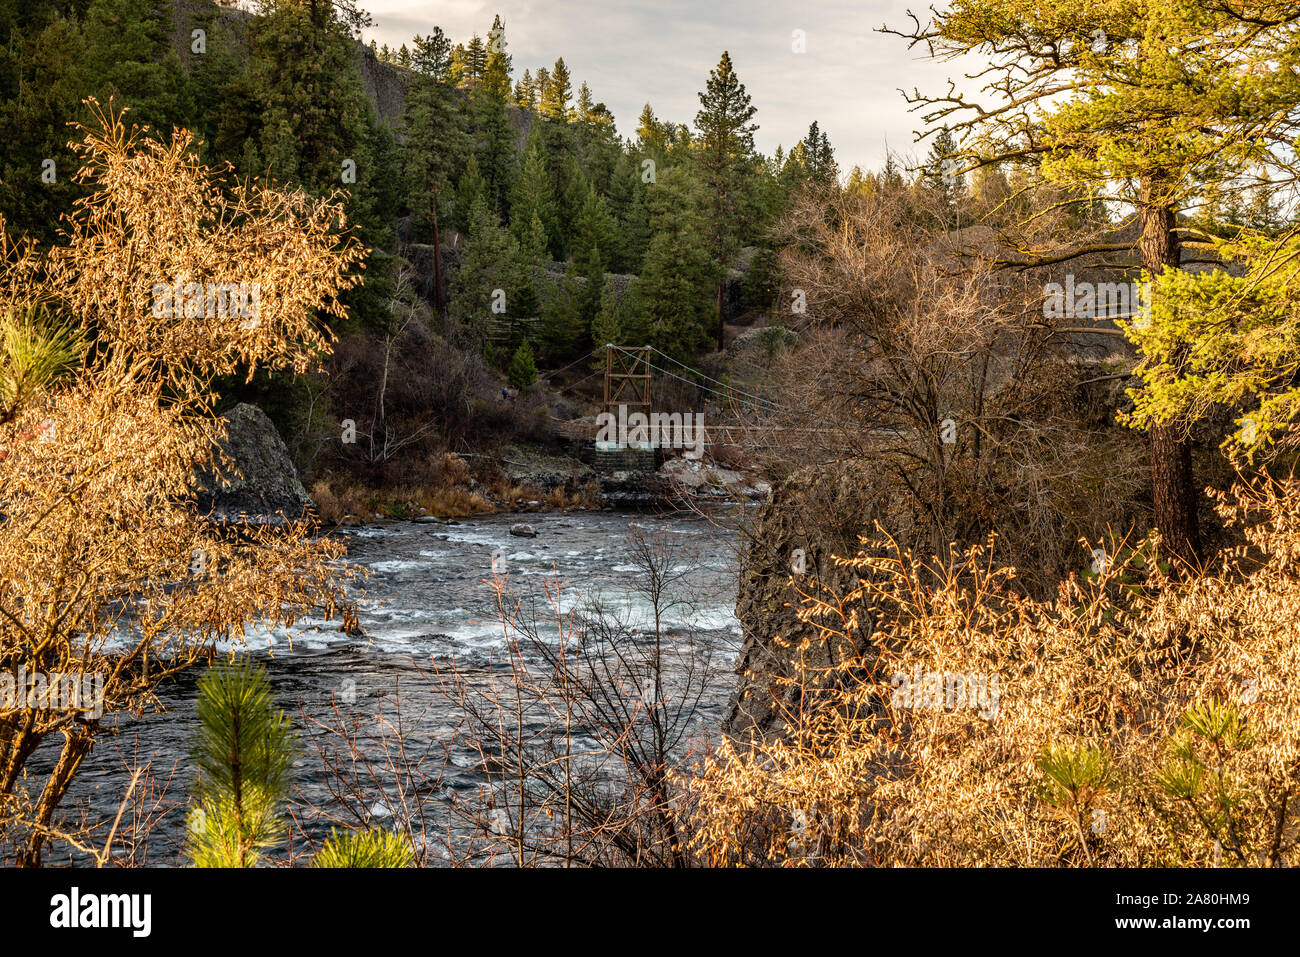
{"x": 1173, "y": 488}
{"x": 77, "y": 744}
{"x": 437, "y": 258}
{"x": 722, "y": 329}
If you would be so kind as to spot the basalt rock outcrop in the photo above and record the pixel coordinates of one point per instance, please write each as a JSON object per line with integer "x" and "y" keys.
{"x": 813, "y": 516}
{"x": 260, "y": 484}
{"x": 534, "y": 468}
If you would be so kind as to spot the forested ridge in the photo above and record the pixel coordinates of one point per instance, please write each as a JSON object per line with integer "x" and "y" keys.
{"x": 534, "y": 193}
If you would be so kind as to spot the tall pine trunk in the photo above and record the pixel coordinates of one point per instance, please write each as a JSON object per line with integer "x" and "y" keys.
{"x": 437, "y": 258}
{"x": 1173, "y": 488}
{"x": 722, "y": 329}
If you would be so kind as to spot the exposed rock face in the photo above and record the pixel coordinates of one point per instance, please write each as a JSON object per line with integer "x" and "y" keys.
{"x": 632, "y": 487}
{"x": 262, "y": 483}
{"x": 630, "y": 476}
{"x": 737, "y": 273}
{"x": 420, "y": 256}
{"x": 702, "y": 478}
{"x": 815, "y": 514}
{"x": 386, "y": 85}
{"x": 554, "y": 276}
{"x": 759, "y": 340}
{"x": 526, "y": 465}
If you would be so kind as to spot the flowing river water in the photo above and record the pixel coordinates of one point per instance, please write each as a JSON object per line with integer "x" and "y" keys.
{"x": 427, "y": 603}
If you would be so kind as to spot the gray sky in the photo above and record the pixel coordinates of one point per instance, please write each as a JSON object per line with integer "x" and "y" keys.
{"x": 661, "y": 51}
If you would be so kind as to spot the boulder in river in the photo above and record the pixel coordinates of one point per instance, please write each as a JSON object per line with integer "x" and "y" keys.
{"x": 702, "y": 478}
{"x": 260, "y": 483}
{"x": 523, "y": 530}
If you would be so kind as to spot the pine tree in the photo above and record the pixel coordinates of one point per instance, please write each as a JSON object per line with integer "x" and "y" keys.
{"x": 217, "y": 82}
{"x": 563, "y": 332}
{"x": 679, "y": 142}
{"x": 494, "y": 137}
{"x": 487, "y": 274}
{"x": 523, "y": 368}
{"x": 525, "y": 305}
{"x": 573, "y": 189}
{"x": 592, "y": 268}
{"x": 794, "y": 172}
{"x": 607, "y": 327}
{"x": 41, "y": 86}
{"x": 635, "y": 231}
{"x": 374, "y": 848}
{"x": 535, "y": 245}
{"x": 594, "y": 229}
{"x": 436, "y": 142}
{"x": 941, "y": 174}
{"x": 585, "y": 108}
{"x": 314, "y": 111}
{"x": 471, "y": 191}
{"x": 650, "y": 135}
{"x": 597, "y": 143}
{"x": 626, "y": 205}
{"x": 475, "y": 58}
{"x": 532, "y": 197}
{"x": 36, "y": 351}
{"x": 556, "y": 93}
{"x": 129, "y": 56}
{"x": 376, "y": 198}
{"x": 431, "y": 60}
{"x": 1141, "y": 104}
{"x": 727, "y": 144}
{"x": 891, "y": 177}
{"x": 498, "y": 65}
{"x": 245, "y": 752}
{"x": 820, "y": 157}
{"x": 526, "y": 92}
{"x": 671, "y": 308}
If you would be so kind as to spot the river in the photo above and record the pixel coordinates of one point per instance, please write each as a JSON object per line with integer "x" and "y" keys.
{"x": 427, "y": 604}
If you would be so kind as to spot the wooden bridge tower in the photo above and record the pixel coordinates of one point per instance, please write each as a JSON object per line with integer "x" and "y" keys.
{"x": 627, "y": 379}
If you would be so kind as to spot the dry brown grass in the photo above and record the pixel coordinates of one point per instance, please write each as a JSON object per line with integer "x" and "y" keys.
{"x": 338, "y": 501}
{"x": 1138, "y": 721}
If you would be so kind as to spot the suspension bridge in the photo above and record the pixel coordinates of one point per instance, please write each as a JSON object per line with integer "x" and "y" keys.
{"x": 737, "y": 416}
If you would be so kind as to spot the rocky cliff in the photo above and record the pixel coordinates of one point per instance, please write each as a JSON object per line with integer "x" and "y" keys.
{"x": 811, "y": 517}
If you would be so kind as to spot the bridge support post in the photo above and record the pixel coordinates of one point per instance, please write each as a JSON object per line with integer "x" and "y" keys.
{"x": 627, "y": 379}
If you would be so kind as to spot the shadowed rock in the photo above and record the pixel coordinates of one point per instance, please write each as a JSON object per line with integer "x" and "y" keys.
{"x": 263, "y": 483}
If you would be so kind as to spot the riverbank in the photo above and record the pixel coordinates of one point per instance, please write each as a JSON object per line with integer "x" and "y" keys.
{"x": 527, "y": 479}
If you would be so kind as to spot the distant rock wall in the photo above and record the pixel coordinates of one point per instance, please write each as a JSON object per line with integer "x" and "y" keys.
{"x": 386, "y": 85}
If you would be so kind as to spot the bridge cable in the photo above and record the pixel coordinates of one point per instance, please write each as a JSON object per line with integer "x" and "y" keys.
{"x": 705, "y": 388}
{"x": 697, "y": 372}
